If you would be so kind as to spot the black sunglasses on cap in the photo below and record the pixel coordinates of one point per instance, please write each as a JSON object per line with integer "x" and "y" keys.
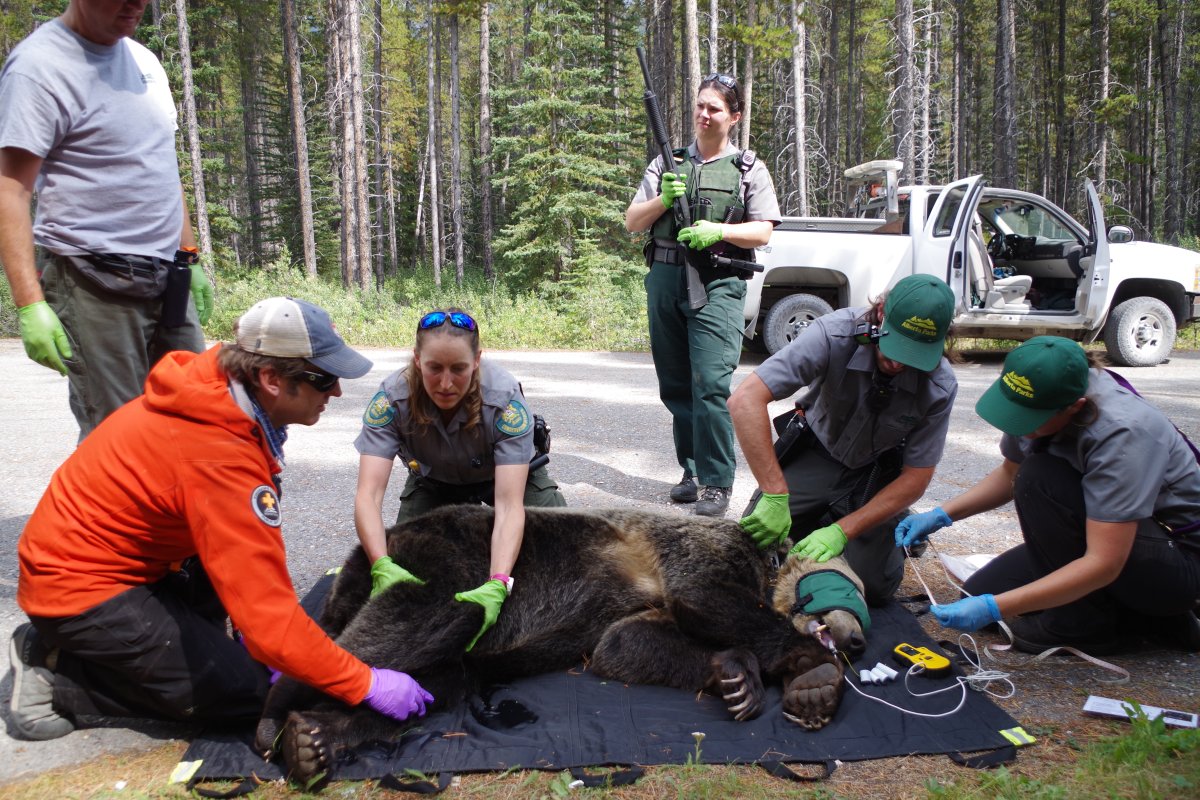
{"x": 321, "y": 381}
{"x": 436, "y": 319}
{"x": 724, "y": 80}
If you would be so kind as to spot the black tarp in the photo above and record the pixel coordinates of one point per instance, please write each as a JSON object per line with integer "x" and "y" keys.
{"x": 574, "y": 719}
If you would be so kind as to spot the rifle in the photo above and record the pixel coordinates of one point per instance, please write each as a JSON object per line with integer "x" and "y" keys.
{"x": 692, "y": 259}
{"x": 697, "y": 297}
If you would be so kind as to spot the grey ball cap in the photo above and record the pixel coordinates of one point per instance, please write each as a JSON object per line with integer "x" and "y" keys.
{"x": 285, "y": 327}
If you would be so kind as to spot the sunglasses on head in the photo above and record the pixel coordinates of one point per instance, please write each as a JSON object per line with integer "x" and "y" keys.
{"x": 436, "y": 319}
{"x": 724, "y": 80}
{"x": 321, "y": 381}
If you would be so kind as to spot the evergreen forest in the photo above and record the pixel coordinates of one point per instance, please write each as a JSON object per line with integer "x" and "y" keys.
{"x": 463, "y": 141}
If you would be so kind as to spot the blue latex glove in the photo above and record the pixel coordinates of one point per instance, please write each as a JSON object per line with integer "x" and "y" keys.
{"x": 822, "y": 544}
{"x": 43, "y": 335}
{"x": 770, "y": 522}
{"x": 968, "y": 614}
{"x": 396, "y": 695}
{"x": 491, "y": 596}
{"x": 202, "y": 294}
{"x": 915, "y": 528}
{"x": 386, "y": 573}
{"x": 704, "y": 233}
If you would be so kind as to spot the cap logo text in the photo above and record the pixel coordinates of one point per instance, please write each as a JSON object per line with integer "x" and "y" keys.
{"x": 1018, "y": 384}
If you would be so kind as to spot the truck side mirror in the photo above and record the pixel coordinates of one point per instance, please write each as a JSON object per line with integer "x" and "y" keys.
{"x": 1120, "y": 234}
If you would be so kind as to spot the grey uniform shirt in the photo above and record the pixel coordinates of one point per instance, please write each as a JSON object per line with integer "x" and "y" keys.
{"x": 1134, "y": 463}
{"x": 838, "y": 372}
{"x": 758, "y": 192}
{"x": 102, "y": 119}
{"x": 448, "y": 452}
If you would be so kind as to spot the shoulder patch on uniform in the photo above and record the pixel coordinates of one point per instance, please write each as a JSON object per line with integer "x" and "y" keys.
{"x": 515, "y": 420}
{"x": 265, "y": 503}
{"x": 379, "y": 411}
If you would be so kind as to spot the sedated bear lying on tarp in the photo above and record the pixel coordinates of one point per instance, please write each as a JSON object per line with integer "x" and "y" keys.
{"x": 643, "y": 597}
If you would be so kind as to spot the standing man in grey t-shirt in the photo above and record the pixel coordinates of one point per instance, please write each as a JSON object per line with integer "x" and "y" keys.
{"x": 867, "y": 434}
{"x": 87, "y": 120}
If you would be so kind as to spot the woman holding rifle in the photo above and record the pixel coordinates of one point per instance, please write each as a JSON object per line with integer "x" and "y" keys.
{"x": 733, "y": 209}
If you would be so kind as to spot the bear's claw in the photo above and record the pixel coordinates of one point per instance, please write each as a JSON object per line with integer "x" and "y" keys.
{"x": 736, "y": 674}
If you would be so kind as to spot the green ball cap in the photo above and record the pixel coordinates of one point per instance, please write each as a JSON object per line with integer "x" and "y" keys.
{"x": 1040, "y": 378}
{"x": 916, "y": 318}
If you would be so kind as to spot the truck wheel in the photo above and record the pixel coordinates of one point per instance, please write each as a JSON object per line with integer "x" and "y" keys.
{"x": 1140, "y": 332}
{"x": 789, "y": 317}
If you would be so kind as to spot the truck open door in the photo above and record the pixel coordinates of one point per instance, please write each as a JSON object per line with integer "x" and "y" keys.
{"x": 1094, "y": 287}
{"x": 944, "y": 239}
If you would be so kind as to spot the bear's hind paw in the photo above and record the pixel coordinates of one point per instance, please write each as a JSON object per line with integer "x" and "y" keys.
{"x": 307, "y": 752}
{"x": 810, "y": 700}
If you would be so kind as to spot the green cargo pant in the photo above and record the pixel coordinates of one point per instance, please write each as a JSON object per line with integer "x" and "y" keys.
{"x": 695, "y": 353}
{"x": 417, "y": 496}
{"x": 114, "y": 341}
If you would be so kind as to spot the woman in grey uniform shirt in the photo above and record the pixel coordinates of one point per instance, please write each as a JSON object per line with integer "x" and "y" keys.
{"x": 696, "y": 350}
{"x": 1107, "y": 492}
{"x": 462, "y": 428}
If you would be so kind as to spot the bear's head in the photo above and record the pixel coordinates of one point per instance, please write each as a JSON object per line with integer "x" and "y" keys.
{"x": 824, "y": 599}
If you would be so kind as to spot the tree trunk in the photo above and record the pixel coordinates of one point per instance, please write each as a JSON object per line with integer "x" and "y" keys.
{"x": 747, "y": 78}
{"x": 456, "y": 199}
{"x": 902, "y": 109}
{"x": 377, "y": 158}
{"x": 361, "y": 188}
{"x": 291, "y": 57}
{"x": 956, "y": 97}
{"x": 1102, "y": 98}
{"x": 435, "y": 228}
{"x": 252, "y": 136}
{"x": 924, "y": 137}
{"x": 691, "y": 60}
{"x": 1170, "y": 53}
{"x": 713, "y": 18}
{"x": 1004, "y": 130}
{"x": 485, "y": 143}
{"x": 200, "y": 200}
{"x": 799, "y": 108}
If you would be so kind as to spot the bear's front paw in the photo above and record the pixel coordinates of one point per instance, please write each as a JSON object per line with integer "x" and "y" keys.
{"x": 811, "y": 699}
{"x": 266, "y": 736}
{"x": 736, "y": 677}
{"x": 306, "y": 752}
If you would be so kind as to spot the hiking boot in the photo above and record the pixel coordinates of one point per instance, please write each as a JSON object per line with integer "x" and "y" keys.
{"x": 1180, "y": 631}
{"x": 685, "y": 490}
{"x": 713, "y": 502}
{"x": 1030, "y": 636}
{"x": 32, "y": 702}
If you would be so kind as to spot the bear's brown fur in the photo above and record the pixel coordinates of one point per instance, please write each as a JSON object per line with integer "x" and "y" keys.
{"x": 643, "y": 597}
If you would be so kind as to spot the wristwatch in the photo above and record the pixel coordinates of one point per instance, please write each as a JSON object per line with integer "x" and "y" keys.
{"x": 505, "y": 579}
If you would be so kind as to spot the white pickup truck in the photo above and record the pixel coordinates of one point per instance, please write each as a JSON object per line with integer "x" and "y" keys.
{"x": 1019, "y": 267}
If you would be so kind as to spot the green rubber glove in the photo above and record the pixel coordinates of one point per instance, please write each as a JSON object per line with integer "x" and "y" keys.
{"x": 770, "y": 521}
{"x": 386, "y": 573}
{"x": 491, "y": 596}
{"x": 672, "y": 186}
{"x": 822, "y": 544}
{"x": 202, "y": 294}
{"x": 704, "y": 233}
{"x": 43, "y": 335}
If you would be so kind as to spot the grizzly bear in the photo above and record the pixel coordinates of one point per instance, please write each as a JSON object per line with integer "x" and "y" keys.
{"x": 641, "y": 597}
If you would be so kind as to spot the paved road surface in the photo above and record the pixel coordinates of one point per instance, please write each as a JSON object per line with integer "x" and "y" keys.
{"x": 611, "y": 446}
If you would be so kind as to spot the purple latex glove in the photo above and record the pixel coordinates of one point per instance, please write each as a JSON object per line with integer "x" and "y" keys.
{"x": 396, "y": 695}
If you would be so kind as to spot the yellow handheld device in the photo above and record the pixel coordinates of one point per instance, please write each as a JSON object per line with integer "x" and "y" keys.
{"x": 935, "y": 665}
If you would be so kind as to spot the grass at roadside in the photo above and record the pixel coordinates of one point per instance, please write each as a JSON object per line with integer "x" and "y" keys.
{"x": 1141, "y": 760}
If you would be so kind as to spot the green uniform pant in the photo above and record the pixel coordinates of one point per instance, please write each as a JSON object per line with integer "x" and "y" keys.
{"x": 114, "y": 341}
{"x": 419, "y": 496}
{"x": 695, "y": 353}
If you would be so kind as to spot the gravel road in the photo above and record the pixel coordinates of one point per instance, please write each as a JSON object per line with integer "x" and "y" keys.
{"x": 611, "y": 447}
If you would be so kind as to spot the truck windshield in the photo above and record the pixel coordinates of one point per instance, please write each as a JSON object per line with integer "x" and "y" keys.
{"x": 1024, "y": 219}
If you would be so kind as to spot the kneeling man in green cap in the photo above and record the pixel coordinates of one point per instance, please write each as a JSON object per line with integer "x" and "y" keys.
{"x": 865, "y": 436}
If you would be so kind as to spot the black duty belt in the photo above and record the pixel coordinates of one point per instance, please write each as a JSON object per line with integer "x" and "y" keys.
{"x": 669, "y": 254}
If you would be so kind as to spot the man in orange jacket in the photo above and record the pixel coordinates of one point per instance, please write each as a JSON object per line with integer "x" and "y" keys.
{"x": 186, "y": 474}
